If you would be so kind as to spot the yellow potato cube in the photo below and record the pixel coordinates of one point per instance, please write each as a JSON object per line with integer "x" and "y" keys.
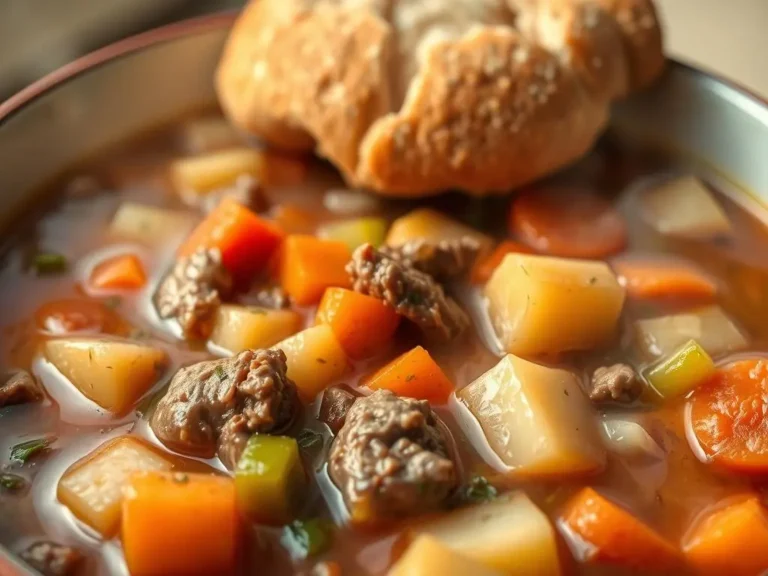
{"x": 433, "y": 226}
{"x": 542, "y": 305}
{"x": 428, "y": 557}
{"x": 216, "y": 170}
{"x": 208, "y": 134}
{"x": 239, "y": 328}
{"x": 536, "y": 419}
{"x": 149, "y": 224}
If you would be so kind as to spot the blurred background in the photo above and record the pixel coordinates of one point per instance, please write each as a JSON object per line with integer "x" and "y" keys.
{"x": 37, "y": 36}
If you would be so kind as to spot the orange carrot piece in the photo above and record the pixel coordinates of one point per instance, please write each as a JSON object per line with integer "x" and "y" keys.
{"x": 648, "y": 279}
{"x": 124, "y": 271}
{"x": 613, "y": 536}
{"x": 485, "y": 266}
{"x": 245, "y": 240}
{"x": 362, "y": 324}
{"x": 415, "y": 375}
{"x": 728, "y": 416}
{"x": 570, "y": 222}
{"x": 177, "y": 523}
{"x": 732, "y": 540}
{"x": 309, "y": 265}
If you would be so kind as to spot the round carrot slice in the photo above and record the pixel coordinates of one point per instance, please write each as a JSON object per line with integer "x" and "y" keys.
{"x": 565, "y": 221}
{"x": 727, "y": 416}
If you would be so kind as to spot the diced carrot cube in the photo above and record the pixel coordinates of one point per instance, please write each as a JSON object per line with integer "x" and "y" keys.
{"x": 414, "y": 374}
{"x": 309, "y": 265}
{"x": 124, "y": 271}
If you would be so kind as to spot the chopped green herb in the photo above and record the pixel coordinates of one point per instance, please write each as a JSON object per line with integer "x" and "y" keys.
{"x": 12, "y": 482}
{"x": 113, "y": 302}
{"x": 309, "y": 439}
{"x": 220, "y": 373}
{"x": 307, "y": 538}
{"x": 49, "y": 263}
{"x": 478, "y": 490}
{"x": 26, "y": 450}
{"x": 410, "y": 377}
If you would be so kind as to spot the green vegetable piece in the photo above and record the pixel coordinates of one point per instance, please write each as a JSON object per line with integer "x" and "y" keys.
{"x": 356, "y": 232}
{"x": 682, "y": 371}
{"x": 269, "y": 478}
{"x": 12, "y": 482}
{"x": 307, "y": 538}
{"x": 478, "y": 490}
{"x": 309, "y": 439}
{"x": 49, "y": 263}
{"x": 30, "y": 449}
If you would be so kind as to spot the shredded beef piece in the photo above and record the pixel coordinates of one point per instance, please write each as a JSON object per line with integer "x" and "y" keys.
{"x": 617, "y": 383}
{"x": 19, "y": 387}
{"x": 391, "y": 459}
{"x": 270, "y": 297}
{"x": 215, "y": 406}
{"x": 337, "y": 400}
{"x": 53, "y": 559}
{"x": 443, "y": 260}
{"x": 412, "y": 293}
{"x": 193, "y": 291}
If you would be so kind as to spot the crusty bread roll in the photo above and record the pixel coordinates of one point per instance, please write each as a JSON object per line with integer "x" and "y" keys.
{"x": 411, "y": 97}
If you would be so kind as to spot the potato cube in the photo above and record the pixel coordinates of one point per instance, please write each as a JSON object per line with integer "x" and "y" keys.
{"x": 429, "y": 557}
{"x": 149, "y": 224}
{"x": 209, "y": 134}
{"x": 239, "y": 328}
{"x": 536, "y": 419}
{"x": 216, "y": 170}
{"x": 681, "y": 372}
{"x": 543, "y": 305}
{"x": 433, "y": 226}
{"x": 92, "y": 487}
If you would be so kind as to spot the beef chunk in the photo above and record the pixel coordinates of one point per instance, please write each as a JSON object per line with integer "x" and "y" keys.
{"x": 53, "y": 559}
{"x": 412, "y": 293}
{"x": 391, "y": 459}
{"x": 337, "y": 400}
{"x": 215, "y": 406}
{"x": 270, "y": 297}
{"x": 443, "y": 260}
{"x": 193, "y": 290}
{"x": 617, "y": 383}
{"x": 19, "y": 387}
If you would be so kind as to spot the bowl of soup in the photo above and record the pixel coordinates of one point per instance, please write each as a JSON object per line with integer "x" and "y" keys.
{"x": 219, "y": 358}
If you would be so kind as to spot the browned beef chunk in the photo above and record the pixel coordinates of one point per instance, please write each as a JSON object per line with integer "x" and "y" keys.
{"x": 444, "y": 260}
{"x": 192, "y": 292}
{"x": 215, "y": 406}
{"x": 337, "y": 400}
{"x": 617, "y": 383}
{"x": 53, "y": 559}
{"x": 391, "y": 459}
{"x": 270, "y": 297}
{"x": 412, "y": 293}
{"x": 19, "y": 387}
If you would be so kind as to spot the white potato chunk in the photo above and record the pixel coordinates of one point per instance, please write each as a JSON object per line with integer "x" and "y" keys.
{"x": 509, "y": 534}
{"x": 112, "y": 373}
{"x": 544, "y": 305}
{"x": 239, "y": 328}
{"x": 432, "y": 226}
{"x": 216, "y": 170}
{"x": 426, "y": 556}
{"x": 711, "y": 327}
{"x": 536, "y": 419}
{"x": 684, "y": 207}
{"x": 209, "y": 134}
{"x": 92, "y": 487}
{"x": 149, "y": 224}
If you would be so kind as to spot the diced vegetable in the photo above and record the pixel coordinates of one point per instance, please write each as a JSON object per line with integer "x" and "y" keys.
{"x": 209, "y": 134}
{"x": 92, "y": 488}
{"x": 269, "y": 478}
{"x": 246, "y": 241}
{"x": 112, "y": 373}
{"x": 426, "y": 556}
{"x": 295, "y": 220}
{"x": 239, "y": 328}
{"x": 727, "y": 416}
{"x": 630, "y": 439}
{"x": 536, "y": 419}
{"x": 48, "y": 263}
{"x": 215, "y": 170}
{"x": 352, "y": 316}
{"x": 682, "y": 371}
{"x": 414, "y": 375}
{"x": 355, "y": 232}
{"x": 710, "y": 327}
{"x": 684, "y": 207}
{"x": 484, "y": 267}
{"x": 31, "y": 448}
{"x": 310, "y": 265}
{"x": 124, "y": 271}
{"x": 568, "y": 221}
{"x": 509, "y": 534}
{"x": 175, "y": 523}
{"x": 732, "y": 540}
{"x": 148, "y": 224}
{"x": 315, "y": 360}
{"x": 608, "y": 534}
{"x": 12, "y": 483}
{"x": 544, "y": 305}
{"x": 308, "y": 538}
{"x": 647, "y": 279}
{"x": 432, "y": 226}
{"x": 76, "y": 315}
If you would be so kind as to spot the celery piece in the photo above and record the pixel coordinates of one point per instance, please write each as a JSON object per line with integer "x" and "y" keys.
{"x": 682, "y": 371}
{"x": 268, "y": 478}
{"x": 356, "y": 232}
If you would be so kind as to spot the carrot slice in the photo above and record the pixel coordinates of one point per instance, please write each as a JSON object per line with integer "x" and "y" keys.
{"x": 176, "y": 523}
{"x": 732, "y": 540}
{"x": 246, "y": 241}
{"x": 485, "y": 266}
{"x": 362, "y": 324}
{"x": 647, "y": 279}
{"x": 309, "y": 265}
{"x": 415, "y": 375}
{"x": 727, "y": 415}
{"x": 124, "y": 271}
{"x": 568, "y": 222}
{"x": 613, "y": 536}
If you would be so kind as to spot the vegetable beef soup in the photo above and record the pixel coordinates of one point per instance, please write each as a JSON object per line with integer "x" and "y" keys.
{"x": 219, "y": 360}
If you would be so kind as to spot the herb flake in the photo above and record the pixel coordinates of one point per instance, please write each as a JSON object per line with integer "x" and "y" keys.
{"x": 308, "y": 538}
{"x": 308, "y": 439}
{"x": 220, "y": 373}
{"x": 47, "y": 263}
{"x": 478, "y": 490}
{"x": 30, "y": 449}
{"x": 12, "y": 482}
